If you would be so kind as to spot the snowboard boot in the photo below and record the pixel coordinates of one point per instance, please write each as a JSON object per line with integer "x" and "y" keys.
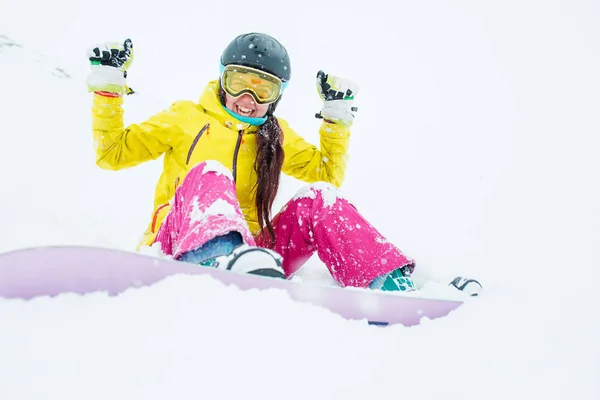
{"x": 252, "y": 260}
{"x": 229, "y": 252}
{"x": 470, "y": 286}
{"x": 398, "y": 280}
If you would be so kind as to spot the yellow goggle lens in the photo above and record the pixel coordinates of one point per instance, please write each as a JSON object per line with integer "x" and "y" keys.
{"x": 264, "y": 87}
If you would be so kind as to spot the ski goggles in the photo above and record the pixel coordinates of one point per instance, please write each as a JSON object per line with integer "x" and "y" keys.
{"x": 265, "y": 88}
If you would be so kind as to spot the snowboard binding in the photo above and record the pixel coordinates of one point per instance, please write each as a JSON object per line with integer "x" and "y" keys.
{"x": 469, "y": 286}
{"x": 252, "y": 260}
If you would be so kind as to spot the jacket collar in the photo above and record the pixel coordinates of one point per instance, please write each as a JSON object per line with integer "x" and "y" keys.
{"x": 212, "y": 106}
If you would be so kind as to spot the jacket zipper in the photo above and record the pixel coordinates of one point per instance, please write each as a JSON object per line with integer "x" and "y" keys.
{"x": 235, "y": 154}
{"x": 195, "y": 142}
{"x": 155, "y": 216}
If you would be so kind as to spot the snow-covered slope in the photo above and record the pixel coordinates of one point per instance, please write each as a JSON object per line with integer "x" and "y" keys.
{"x": 475, "y": 150}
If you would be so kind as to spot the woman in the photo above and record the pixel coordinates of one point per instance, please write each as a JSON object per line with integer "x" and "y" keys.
{"x": 223, "y": 158}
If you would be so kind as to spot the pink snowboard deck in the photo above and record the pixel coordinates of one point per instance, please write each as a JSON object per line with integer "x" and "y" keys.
{"x": 50, "y": 271}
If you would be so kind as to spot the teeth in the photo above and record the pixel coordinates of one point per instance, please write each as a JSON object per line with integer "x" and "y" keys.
{"x": 244, "y": 110}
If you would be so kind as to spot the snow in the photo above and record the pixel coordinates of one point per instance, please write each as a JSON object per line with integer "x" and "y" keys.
{"x": 475, "y": 150}
{"x": 329, "y": 192}
{"x": 219, "y": 207}
{"x": 216, "y": 167}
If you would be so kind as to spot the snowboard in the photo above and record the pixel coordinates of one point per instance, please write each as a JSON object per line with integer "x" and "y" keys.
{"x": 51, "y": 271}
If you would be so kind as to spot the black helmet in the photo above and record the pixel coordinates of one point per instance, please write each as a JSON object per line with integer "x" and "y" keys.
{"x": 261, "y": 51}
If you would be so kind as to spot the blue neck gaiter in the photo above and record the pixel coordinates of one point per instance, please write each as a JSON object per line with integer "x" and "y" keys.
{"x": 249, "y": 120}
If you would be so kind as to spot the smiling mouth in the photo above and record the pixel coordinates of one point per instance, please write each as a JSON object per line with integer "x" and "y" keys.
{"x": 246, "y": 112}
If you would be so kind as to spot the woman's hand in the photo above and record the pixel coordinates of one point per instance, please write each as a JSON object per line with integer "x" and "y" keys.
{"x": 109, "y": 64}
{"x": 338, "y": 98}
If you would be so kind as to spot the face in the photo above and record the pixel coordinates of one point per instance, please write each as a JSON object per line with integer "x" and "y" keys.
{"x": 246, "y": 106}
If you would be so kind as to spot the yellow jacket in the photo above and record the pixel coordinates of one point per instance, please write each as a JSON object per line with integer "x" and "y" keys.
{"x": 189, "y": 133}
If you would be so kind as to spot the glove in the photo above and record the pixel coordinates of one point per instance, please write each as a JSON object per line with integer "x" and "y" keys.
{"x": 338, "y": 99}
{"x": 109, "y": 64}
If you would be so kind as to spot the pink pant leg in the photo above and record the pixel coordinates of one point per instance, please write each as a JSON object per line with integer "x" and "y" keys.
{"x": 352, "y": 249}
{"x": 204, "y": 206}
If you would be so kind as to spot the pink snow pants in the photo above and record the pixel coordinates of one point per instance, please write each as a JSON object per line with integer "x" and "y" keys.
{"x": 316, "y": 219}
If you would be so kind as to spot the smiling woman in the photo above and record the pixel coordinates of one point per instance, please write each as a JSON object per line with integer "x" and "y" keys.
{"x": 230, "y": 149}
{"x": 479, "y": 154}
